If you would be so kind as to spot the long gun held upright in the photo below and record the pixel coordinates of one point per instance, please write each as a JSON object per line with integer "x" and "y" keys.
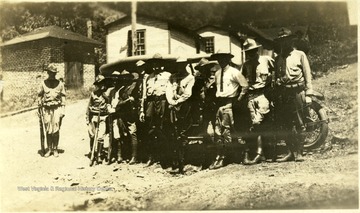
{"x": 95, "y": 146}
{"x": 43, "y": 138}
{"x": 111, "y": 136}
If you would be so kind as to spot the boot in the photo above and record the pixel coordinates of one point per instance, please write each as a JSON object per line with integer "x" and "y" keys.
{"x": 56, "y": 137}
{"x": 216, "y": 161}
{"x": 134, "y": 153}
{"x": 289, "y": 157}
{"x": 220, "y": 162}
{"x": 175, "y": 166}
{"x": 247, "y": 160}
{"x": 91, "y": 147}
{"x": 133, "y": 161}
{"x": 49, "y": 144}
{"x": 259, "y": 157}
{"x": 100, "y": 149}
{"x": 181, "y": 160}
{"x": 150, "y": 161}
{"x": 119, "y": 158}
{"x": 222, "y": 151}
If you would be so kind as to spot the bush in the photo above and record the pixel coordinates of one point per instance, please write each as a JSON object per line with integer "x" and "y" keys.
{"x": 331, "y": 46}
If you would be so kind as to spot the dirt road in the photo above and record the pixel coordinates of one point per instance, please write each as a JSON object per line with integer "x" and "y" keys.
{"x": 30, "y": 182}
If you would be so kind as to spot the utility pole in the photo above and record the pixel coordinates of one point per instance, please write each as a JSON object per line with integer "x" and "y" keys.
{"x": 89, "y": 28}
{"x": 133, "y": 26}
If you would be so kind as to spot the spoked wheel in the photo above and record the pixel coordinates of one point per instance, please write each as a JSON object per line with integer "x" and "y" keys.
{"x": 316, "y": 127}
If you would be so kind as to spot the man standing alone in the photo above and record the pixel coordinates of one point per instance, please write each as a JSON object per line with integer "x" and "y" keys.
{"x": 52, "y": 107}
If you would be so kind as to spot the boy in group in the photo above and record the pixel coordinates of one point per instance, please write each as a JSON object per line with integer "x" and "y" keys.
{"x": 96, "y": 115}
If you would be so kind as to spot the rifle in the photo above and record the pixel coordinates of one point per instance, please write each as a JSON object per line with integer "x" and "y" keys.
{"x": 111, "y": 135}
{"x": 95, "y": 146}
{"x": 43, "y": 138}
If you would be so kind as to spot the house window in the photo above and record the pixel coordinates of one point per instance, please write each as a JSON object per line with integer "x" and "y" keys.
{"x": 140, "y": 50}
{"x": 140, "y": 42}
{"x": 209, "y": 44}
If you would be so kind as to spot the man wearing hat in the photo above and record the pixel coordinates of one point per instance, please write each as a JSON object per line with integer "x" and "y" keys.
{"x": 205, "y": 87}
{"x": 128, "y": 111}
{"x": 293, "y": 78}
{"x": 228, "y": 80}
{"x": 154, "y": 106}
{"x": 51, "y": 100}
{"x": 256, "y": 70}
{"x": 97, "y": 107}
{"x": 178, "y": 92}
{"x": 114, "y": 121}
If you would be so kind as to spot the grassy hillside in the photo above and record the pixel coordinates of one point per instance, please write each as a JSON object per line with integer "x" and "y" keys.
{"x": 341, "y": 92}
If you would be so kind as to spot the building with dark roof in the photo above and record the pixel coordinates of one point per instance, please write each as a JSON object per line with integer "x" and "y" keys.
{"x": 23, "y": 59}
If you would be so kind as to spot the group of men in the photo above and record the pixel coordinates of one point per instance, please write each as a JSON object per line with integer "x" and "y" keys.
{"x": 159, "y": 105}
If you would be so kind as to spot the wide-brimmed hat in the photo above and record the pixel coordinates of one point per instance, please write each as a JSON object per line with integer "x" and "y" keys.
{"x": 250, "y": 44}
{"x": 156, "y": 58}
{"x": 115, "y": 74}
{"x": 221, "y": 54}
{"x": 50, "y": 68}
{"x": 284, "y": 33}
{"x": 204, "y": 63}
{"x": 99, "y": 79}
{"x": 140, "y": 63}
{"x": 125, "y": 76}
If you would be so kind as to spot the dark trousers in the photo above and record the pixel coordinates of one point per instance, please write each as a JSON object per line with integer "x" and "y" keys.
{"x": 181, "y": 122}
{"x": 289, "y": 115}
{"x": 156, "y": 117}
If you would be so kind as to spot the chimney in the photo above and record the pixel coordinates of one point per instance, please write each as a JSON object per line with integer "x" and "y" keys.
{"x": 89, "y": 28}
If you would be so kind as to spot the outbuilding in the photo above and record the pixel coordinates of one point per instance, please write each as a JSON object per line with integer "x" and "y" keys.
{"x": 23, "y": 59}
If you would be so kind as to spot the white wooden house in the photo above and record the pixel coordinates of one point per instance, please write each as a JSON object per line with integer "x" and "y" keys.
{"x": 153, "y": 35}
{"x": 216, "y": 38}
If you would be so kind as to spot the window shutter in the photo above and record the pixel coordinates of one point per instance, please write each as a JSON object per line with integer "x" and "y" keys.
{"x": 129, "y": 44}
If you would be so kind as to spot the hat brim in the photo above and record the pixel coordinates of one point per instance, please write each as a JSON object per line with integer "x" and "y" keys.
{"x": 253, "y": 47}
{"x": 98, "y": 82}
{"x": 209, "y": 64}
{"x": 221, "y": 55}
{"x": 284, "y": 37}
{"x": 51, "y": 70}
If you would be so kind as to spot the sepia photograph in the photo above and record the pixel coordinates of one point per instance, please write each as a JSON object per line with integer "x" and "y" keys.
{"x": 181, "y": 105}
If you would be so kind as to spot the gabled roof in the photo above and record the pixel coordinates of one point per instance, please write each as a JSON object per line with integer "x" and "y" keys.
{"x": 51, "y": 32}
{"x": 253, "y": 31}
{"x": 170, "y": 24}
{"x": 244, "y": 29}
{"x": 273, "y": 32}
{"x": 230, "y": 31}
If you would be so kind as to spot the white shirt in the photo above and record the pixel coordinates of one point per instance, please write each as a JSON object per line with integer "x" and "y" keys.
{"x": 179, "y": 92}
{"x": 156, "y": 83}
{"x": 232, "y": 80}
{"x": 265, "y": 63}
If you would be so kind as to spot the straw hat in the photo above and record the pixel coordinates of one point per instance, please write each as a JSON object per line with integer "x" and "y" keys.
{"x": 204, "y": 63}
{"x": 250, "y": 44}
{"x": 99, "y": 79}
{"x": 284, "y": 33}
{"x": 51, "y": 68}
{"x": 221, "y": 54}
